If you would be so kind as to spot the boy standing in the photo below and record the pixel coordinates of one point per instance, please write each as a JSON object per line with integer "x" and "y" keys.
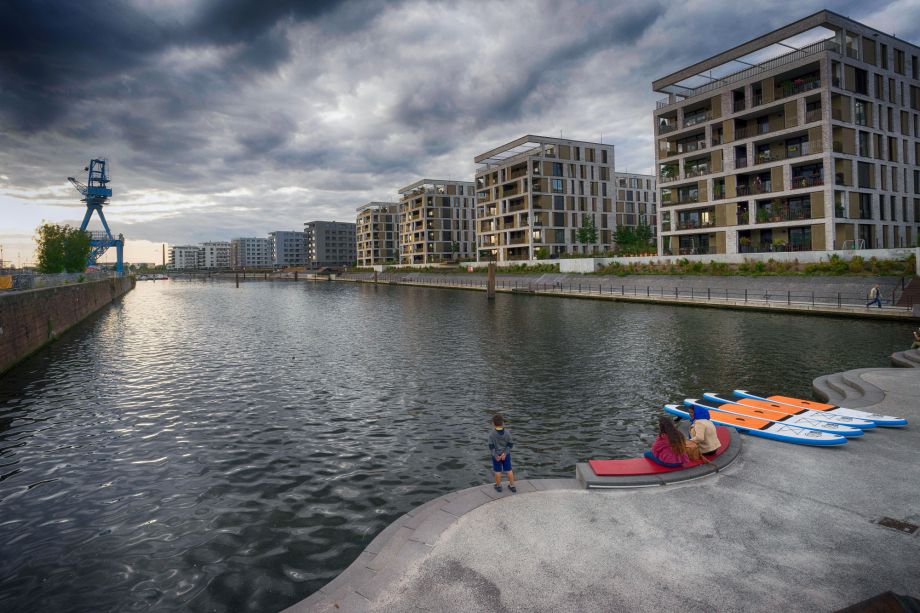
{"x": 500, "y": 445}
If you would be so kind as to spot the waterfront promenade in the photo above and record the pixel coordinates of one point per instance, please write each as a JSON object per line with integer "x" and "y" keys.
{"x": 783, "y": 527}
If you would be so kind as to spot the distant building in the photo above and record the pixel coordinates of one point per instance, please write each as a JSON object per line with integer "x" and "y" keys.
{"x": 377, "y": 233}
{"x": 251, "y": 253}
{"x": 214, "y": 254}
{"x": 636, "y": 196}
{"x": 535, "y": 193}
{"x": 436, "y": 222}
{"x": 289, "y": 248}
{"x": 183, "y": 257}
{"x": 330, "y": 243}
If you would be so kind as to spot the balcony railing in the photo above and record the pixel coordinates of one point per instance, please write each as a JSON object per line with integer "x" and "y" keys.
{"x": 664, "y": 128}
{"x": 694, "y": 224}
{"x": 764, "y": 187}
{"x": 790, "y": 151}
{"x": 743, "y": 218}
{"x": 783, "y": 214}
{"x": 692, "y": 120}
{"x": 793, "y": 88}
{"x": 738, "y": 105}
{"x": 755, "y": 130}
{"x": 717, "y": 140}
{"x": 697, "y": 171}
{"x": 718, "y": 193}
{"x": 801, "y": 182}
{"x": 741, "y": 162}
{"x": 812, "y": 115}
{"x": 688, "y": 199}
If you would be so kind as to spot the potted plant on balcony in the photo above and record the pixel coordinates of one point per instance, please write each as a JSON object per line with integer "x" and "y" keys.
{"x": 779, "y": 244}
{"x": 763, "y": 216}
{"x": 745, "y": 242}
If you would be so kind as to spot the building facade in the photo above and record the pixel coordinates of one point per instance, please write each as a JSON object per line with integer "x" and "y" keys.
{"x": 330, "y": 244}
{"x": 534, "y": 194}
{"x": 289, "y": 248}
{"x": 436, "y": 222}
{"x": 637, "y": 202}
{"x": 183, "y": 257}
{"x": 251, "y": 253}
{"x": 377, "y": 233}
{"x": 214, "y": 255}
{"x": 813, "y": 149}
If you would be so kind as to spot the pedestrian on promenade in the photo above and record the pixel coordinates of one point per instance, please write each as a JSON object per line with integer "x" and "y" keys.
{"x": 875, "y": 296}
{"x": 500, "y": 445}
{"x": 669, "y": 448}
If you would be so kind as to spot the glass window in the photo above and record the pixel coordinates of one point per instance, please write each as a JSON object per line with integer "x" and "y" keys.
{"x": 557, "y": 186}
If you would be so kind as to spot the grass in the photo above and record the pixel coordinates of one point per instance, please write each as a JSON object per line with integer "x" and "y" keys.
{"x": 833, "y": 266}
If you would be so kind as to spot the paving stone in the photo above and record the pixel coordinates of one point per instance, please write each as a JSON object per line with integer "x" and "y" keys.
{"x": 421, "y": 513}
{"x": 546, "y": 485}
{"x": 381, "y": 539}
{"x": 409, "y": 554}
{"x": 466, "y": 502}
{"x": 430, "y": 529}
{"x": 391, "y": 548}
{"x": 348, "y": 602}
{"x": 356, "y": 573}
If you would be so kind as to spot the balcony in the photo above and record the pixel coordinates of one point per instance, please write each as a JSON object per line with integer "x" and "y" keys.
{"x": 718, "y": 192}
{"x": 785, "y": 213}
{"x": 741, "y": 162}
{"x": 695, "y": 224}
{"x": 743, "y": 218}
{"x": 664, "y": 128}
{"x": 738, "y": 105}
{"x": 697, "y": 171}
{"x": 803, "y": 182}
{"x": 762, "y": 187}
{"x": 791, "y": 151}
{"x": 697, "y": 118}
{"x": 716, "y": 140}
{"x": 813, "y": 115}
{"x": 797, "y": 86}
{"x": 755, "y": 130}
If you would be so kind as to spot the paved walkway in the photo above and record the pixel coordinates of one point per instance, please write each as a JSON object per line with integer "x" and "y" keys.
{"x": 784, "y": 526}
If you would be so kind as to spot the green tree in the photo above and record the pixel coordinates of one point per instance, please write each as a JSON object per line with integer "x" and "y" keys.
{"x": 625, "y": 238}
{"x": 587, "y": 233}
{"x": 61, "y": 248}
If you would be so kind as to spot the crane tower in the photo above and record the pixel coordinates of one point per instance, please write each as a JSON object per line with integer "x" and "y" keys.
{"x": 96, "y": 193}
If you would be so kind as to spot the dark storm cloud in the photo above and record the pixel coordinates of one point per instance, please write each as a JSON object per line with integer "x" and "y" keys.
{"x": 250, "y": 116}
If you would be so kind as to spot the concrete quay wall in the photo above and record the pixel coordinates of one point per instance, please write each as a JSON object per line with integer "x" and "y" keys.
{"x": 31, "y": 319}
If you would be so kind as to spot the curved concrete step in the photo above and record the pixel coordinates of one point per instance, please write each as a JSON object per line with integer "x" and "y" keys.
{"x": 909, "y": 358}
{"x": 848, "y": 389}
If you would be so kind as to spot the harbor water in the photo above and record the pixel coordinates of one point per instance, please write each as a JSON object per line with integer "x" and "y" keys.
{"x": 198, "y": 446}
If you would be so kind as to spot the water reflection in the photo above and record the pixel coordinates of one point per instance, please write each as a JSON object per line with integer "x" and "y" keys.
{"x": 205, "y": 447}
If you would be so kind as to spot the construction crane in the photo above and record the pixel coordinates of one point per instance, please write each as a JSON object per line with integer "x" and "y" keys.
{"x": 95, "y": 194}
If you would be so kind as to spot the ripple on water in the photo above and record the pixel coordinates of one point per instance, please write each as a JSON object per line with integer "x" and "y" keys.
{"x": 202, "y": 447}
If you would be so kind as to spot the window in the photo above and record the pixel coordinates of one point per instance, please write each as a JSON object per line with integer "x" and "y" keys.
{"x": 557, "y": 169}
{"x": 556, "y": 186}
{"x": 862, "y": 81}
{"x": 864, "y": 170}
{"x": 558, "y": 203}
{"x": 884, "y": 56}
{"x": 865, "y": 206}
{"x": 860, "y": 112}
{"x": 863, "y": 144}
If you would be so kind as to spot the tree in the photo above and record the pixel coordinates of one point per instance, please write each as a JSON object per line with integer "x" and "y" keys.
{"x": 587, "y": 233}
{"x": 61, "y": 248}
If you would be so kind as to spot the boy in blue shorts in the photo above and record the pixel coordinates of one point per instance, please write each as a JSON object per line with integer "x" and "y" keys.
{"x": 500, "y": 445}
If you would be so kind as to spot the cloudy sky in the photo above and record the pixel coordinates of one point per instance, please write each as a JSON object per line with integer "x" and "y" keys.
{"x": 224, "y": 118}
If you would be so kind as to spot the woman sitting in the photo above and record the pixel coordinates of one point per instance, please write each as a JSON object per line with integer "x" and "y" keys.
{"x": 702, "y": 431}
{"x": 669, "y": 448}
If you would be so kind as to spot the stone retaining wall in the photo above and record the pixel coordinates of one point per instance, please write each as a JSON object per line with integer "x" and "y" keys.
{"x": 31, "y": 319}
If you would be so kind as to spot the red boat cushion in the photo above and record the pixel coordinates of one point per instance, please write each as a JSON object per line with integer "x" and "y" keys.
{"x": 644, "y": 466}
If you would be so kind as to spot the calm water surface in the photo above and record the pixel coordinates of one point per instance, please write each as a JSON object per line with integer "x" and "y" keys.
{"x": 197, "y": 446}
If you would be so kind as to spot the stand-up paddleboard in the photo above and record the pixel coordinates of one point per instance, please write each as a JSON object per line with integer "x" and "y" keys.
{"x": 723, "y": 406}
{"x": 831, "y": 409}
{"x": 766, "y": 429}
{"x": 773, "y": 411}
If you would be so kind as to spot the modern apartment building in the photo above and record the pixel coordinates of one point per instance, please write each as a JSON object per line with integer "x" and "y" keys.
{"x": 377, "y": 233}
{"x": 251, "y": 253}
{"x": 436, "y": 222}
{"x": 330, "y": 244}
{"x": 183, "y": 257}
{"x": 535, "y": 193}
{"x": 289, "y": 248}
{"x": 811, "y": 144}
{"x": 636, "y": 201}
{"x": 214, "y": 254}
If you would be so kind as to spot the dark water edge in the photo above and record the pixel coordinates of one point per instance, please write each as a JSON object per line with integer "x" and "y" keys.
{"x": 202, "y": 447}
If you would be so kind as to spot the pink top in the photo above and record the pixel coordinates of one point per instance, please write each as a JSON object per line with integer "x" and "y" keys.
{"x": 662, "y": 450}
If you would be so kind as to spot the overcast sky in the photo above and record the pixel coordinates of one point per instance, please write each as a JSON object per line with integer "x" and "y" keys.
{"x": 227, "y": 118}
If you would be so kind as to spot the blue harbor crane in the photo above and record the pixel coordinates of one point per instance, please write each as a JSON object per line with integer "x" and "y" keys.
{"x": 95, "y": 194}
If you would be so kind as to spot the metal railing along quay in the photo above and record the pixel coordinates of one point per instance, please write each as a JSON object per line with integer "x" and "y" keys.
{"x": 793, "y": 300}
